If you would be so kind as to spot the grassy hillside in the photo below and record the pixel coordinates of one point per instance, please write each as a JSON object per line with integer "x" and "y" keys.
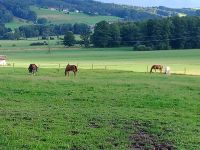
{"x": 56, "y": 17}
{"x": 98, "y": 110}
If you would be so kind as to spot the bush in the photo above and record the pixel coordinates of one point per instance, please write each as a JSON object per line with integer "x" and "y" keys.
{"x": 142, "y": 48}
{"x": 13, "y": 45}
{"x": 39, "y": 43}
{"x": 44, "y": 38}
{"x": 52, "y": 38}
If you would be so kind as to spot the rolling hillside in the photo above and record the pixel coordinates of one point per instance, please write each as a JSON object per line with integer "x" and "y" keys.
{"x": 91, "y": 12}
{"x": 60, "y": 17}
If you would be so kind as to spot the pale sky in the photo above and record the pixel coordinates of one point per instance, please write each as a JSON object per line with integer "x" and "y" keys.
{"x": 167, "y": 3}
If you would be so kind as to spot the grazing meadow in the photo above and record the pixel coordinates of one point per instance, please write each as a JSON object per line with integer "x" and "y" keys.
{"x": 113, "y": 103}
{"x": 99, "y": 109}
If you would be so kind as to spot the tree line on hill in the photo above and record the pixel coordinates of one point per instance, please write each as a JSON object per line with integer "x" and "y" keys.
{"x": 17, "y": 8}
{"x": 126, "y": 12}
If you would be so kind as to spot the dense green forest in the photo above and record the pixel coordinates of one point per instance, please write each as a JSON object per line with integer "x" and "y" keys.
{"x": 21, "y": 9}
{"x": 158, "y": 34}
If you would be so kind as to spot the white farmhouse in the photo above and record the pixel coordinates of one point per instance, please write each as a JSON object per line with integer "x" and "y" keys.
{"x": 2, "y": 60}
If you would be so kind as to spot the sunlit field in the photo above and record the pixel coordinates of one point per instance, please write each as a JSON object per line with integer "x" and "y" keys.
{"x": 21, "y": 54}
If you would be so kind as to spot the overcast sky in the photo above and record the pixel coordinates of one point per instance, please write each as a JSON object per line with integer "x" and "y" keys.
{"x": 168, "y": 3}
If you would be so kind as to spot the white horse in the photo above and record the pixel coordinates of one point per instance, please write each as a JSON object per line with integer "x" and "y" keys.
{"x": 167, "y": 70}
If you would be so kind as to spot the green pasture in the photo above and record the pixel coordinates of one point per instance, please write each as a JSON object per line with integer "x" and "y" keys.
{"x": 180, "y": 61}
{"x": 99, "y": 109}
{"x": 57, "y": 17}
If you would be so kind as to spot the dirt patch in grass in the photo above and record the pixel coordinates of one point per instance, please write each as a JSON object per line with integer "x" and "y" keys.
{"x": 143, "y": 140}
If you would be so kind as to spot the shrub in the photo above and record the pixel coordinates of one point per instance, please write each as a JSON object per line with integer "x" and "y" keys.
{"x": 142, "y": 48}
{"x": 38, "y": 44}
{"x": 51, "y": 38}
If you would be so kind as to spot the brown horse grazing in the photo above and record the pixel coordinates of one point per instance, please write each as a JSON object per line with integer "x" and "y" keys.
{"x": 32, "y": 68}
{"x": 71, "y": 68}
{"x": 159, "y": 67}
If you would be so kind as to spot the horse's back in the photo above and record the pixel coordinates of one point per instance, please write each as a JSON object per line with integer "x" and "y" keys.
{"x": 71, "y": 68}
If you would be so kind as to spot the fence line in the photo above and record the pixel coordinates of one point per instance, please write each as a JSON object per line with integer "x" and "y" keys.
{"x": 125, "y": 67}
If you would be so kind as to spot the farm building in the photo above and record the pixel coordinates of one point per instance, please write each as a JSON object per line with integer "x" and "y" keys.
{"x": 2, "y": 60}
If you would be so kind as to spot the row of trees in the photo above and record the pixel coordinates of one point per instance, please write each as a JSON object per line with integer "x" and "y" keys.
{"x": 52, "y": 30}
{"x": 159, "y": 34}
{"x": 175, "y": 33}
{"x": 42, "y": 30}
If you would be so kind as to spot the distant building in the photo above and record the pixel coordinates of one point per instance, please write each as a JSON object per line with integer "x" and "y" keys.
{"x": 52, "y": 9}
{"x": 77, "y": 11}
{"x": 65, "y": 10}
{"x": 2, "y": 60}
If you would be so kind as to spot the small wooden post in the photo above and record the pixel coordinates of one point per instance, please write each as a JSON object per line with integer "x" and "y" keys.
{"x": 58, "y": 67}
{"x": 92, "y": 66}
{"x": 13, "y": 66}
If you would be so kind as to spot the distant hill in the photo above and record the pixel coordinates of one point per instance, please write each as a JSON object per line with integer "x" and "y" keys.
{"x": 54, "y": 16}
{"x": 95, "y": 11}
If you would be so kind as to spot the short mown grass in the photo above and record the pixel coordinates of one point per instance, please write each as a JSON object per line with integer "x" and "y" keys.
{"x": 96, "y": 110}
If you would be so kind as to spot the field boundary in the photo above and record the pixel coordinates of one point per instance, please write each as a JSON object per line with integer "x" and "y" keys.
{"x": 125, "y": 67}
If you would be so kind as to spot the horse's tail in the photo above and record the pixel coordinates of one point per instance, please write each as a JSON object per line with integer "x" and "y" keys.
{"x": 36, "y": 68}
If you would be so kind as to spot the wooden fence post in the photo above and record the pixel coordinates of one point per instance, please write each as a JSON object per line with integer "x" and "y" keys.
{"x": 92, "y": 66}
{"x": 58, "y": 67}
{"x": 14, "y": 67}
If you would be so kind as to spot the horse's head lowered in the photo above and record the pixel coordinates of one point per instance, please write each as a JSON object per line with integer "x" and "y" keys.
{"x": 33, "y": 68}
{"x": 155, "y": 67}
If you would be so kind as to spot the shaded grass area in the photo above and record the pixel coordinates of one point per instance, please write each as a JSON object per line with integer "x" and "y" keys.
{"x": 97, "y": 110}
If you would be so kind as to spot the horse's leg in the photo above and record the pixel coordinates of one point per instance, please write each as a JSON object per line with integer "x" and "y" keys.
{"x": 74, "y": 73}
{"x": 151, "y": 70}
